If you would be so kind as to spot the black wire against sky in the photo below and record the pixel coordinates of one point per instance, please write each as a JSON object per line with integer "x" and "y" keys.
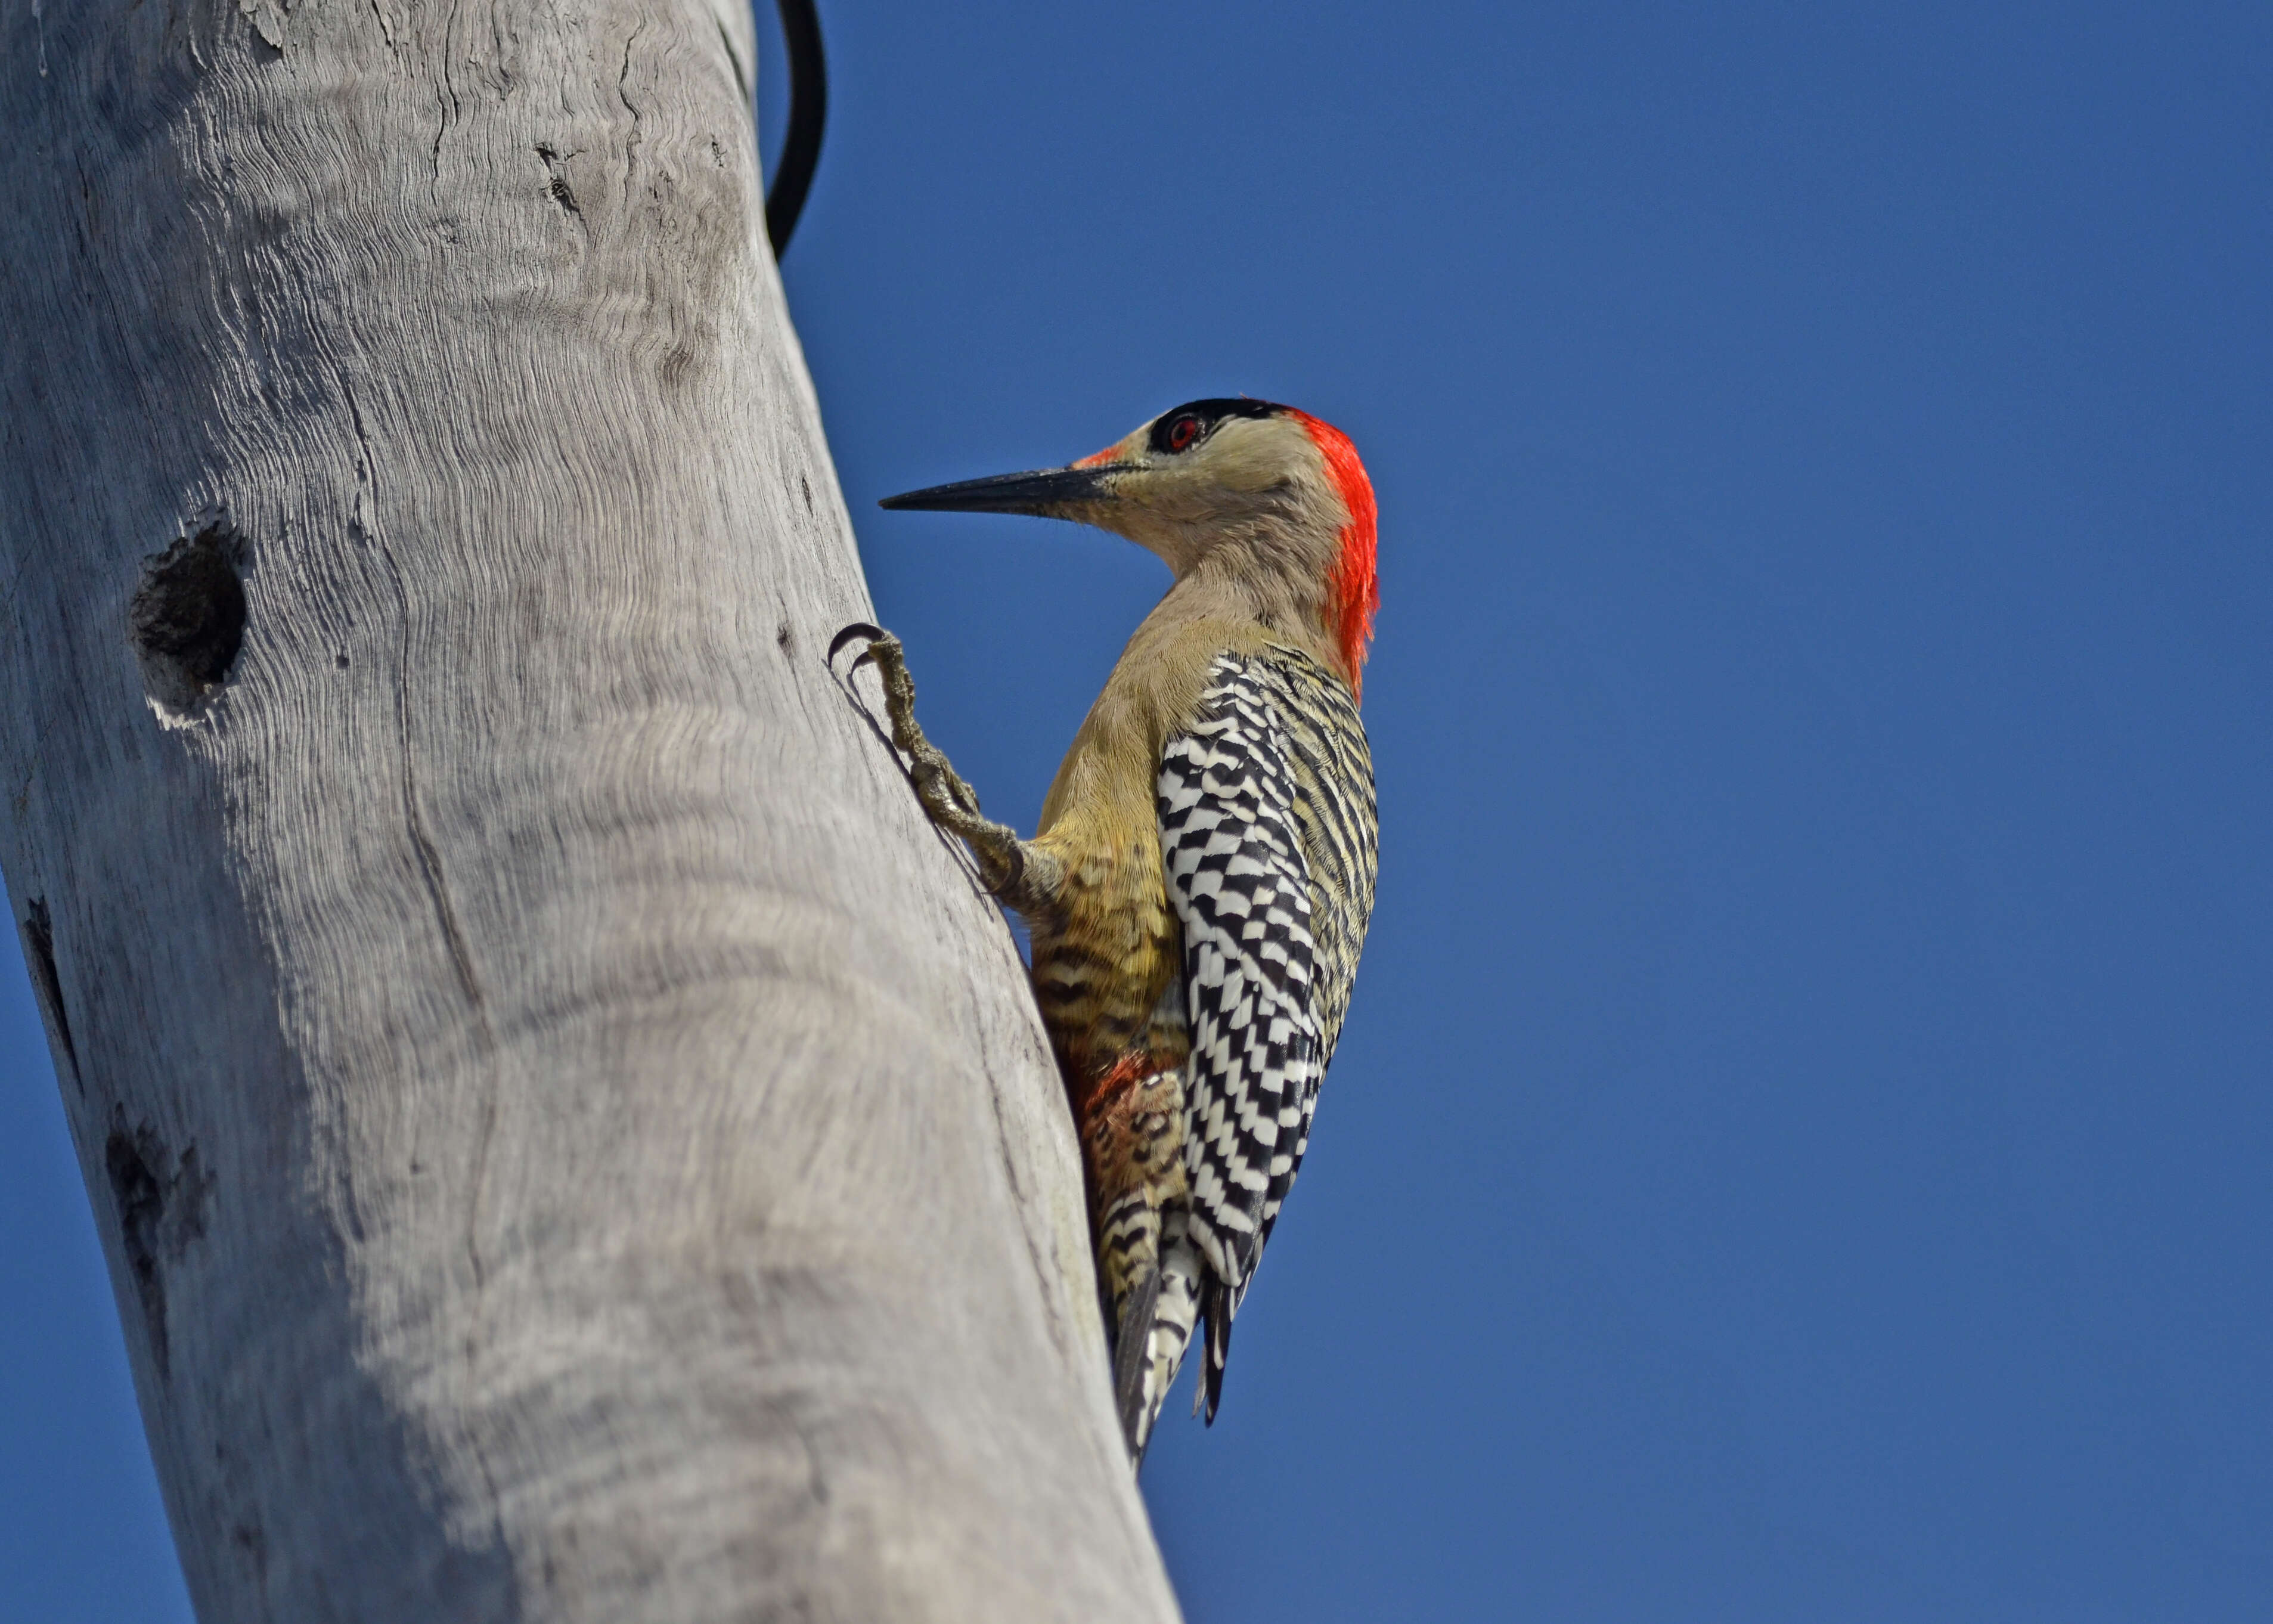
{"x": 808, "y": 109}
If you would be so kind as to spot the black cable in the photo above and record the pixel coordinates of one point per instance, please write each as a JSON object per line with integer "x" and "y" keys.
{"x": 808, "y": 110}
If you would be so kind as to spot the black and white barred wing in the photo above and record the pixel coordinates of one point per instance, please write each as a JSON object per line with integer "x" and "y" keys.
{"x": 1333, "y": 771}
{"x": 1239, "y": 882}
{"x": 1334, "y": 809}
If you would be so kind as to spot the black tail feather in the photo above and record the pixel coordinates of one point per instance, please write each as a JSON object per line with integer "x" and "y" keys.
{"x": 1215, "y": 1313}
{"x": 1131, "y": 1340}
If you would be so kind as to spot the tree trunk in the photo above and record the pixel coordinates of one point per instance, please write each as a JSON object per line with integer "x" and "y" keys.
{"x": 569, "y": 1139}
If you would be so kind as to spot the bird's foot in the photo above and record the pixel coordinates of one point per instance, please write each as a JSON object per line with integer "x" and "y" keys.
{"x": 1007, "y": 865}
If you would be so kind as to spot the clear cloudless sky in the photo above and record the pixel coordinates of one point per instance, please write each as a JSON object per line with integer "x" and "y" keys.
{"x": 1802, "y": 1147}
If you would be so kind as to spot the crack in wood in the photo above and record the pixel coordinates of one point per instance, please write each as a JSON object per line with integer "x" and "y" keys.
{"x": 160, "y": 1207}
{"x": 40, "y": 955}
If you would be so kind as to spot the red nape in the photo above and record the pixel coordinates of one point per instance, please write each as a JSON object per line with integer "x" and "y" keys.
{"x": 1353, "y": 585}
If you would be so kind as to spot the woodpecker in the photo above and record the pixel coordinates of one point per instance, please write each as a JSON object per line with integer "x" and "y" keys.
{"x": 1200, "y": 884}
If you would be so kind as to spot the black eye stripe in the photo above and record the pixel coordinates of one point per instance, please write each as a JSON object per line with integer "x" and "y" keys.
{"x": 1205, "y": 415}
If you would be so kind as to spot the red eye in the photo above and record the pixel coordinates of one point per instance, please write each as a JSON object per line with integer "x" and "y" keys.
{"x": 1182, "y": 432}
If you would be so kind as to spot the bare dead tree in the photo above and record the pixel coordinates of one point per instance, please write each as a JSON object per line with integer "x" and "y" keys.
{"x": 569, "y": 1140}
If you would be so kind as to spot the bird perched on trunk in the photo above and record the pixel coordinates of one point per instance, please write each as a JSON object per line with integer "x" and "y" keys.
{"x": 1199, "y": 887}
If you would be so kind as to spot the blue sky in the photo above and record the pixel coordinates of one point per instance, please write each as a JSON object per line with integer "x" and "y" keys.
{"x": 1800, "y": 1148}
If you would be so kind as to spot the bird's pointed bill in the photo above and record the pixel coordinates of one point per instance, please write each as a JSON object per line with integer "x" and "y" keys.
{"x": 1044, "y": 491}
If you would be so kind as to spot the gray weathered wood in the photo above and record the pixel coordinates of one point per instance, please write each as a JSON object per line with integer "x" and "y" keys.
{"x": 570, "y": 1141}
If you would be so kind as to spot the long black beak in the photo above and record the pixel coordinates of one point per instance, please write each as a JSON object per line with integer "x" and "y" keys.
{"x": 1044, "y": 492}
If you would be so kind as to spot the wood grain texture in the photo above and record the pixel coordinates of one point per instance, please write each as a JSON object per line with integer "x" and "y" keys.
{"x": 570, "y": 1141}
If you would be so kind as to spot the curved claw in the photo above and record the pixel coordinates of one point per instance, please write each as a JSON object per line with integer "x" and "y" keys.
{"x": 857, "y": 628}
